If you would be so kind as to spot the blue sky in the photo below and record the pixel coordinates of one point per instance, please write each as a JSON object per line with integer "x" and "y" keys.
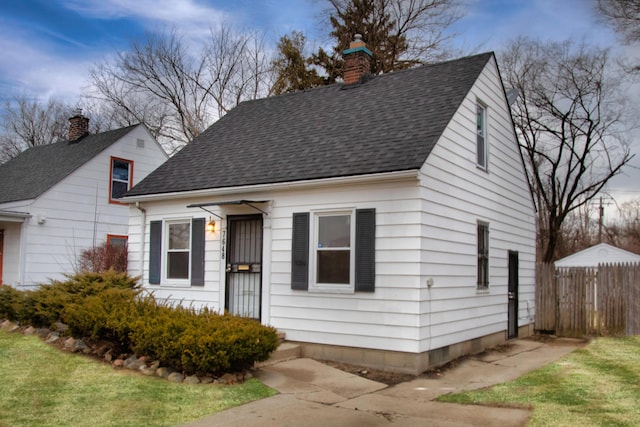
{"x": 48, "y": 46}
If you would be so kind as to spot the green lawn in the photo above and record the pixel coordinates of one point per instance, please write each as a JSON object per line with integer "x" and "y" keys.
{"x": 598, "y": 385}
{"x": 42, "y": 386}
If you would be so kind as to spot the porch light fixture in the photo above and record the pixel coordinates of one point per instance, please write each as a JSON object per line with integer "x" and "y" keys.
{"x": 211, "y": 225}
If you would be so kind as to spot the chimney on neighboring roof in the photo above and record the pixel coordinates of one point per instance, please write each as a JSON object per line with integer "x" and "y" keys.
{"x": 357, "y": 61}
{"x": 78, "y": 125}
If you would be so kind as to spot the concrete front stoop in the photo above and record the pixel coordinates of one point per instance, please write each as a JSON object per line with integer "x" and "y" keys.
{"x": 285, "y": 351}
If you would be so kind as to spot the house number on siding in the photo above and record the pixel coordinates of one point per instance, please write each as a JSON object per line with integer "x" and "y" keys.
{"x": 223, "y": 242}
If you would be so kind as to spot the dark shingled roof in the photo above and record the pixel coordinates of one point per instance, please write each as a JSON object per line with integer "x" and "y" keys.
{"x": 37, "y": 169}
{"x": 389, "y": 123}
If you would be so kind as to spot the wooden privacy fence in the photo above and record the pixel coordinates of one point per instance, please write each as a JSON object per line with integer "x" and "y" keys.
{"x": 579, "y": 301}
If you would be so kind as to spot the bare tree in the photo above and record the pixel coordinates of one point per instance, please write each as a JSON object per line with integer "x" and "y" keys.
{"x": 568, "y": 117}
{"x": 623, "y": 16}
{"x": 26, "y": 123}
{"x": 624, "y": 231}
{"x": 179, "y": 90}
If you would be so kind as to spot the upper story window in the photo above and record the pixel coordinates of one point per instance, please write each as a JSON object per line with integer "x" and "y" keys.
{"x": 481, "y": 136}
{"x": 121, "y": 178}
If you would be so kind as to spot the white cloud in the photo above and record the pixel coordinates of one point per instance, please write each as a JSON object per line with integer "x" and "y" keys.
{"x": 187, "y": 16}
{"x": 490, "y": 24}
{"x": 169, "y": 11}
{"x": 28, "y": 66}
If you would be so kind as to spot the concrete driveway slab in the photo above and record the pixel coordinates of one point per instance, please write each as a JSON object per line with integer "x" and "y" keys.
{"x": 437, "y": 414}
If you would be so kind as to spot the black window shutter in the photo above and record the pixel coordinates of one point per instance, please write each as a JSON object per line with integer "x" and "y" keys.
{"x": 365, "y": 250}
{"x": 197, "y": 252}
{"x": 300, "y": 251}
{"x": 155, "y": 251}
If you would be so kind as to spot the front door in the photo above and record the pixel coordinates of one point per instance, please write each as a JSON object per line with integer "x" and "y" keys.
{"x": 1, "y": 250}
{"x": 244, "y": 266}
{"x": 513, "y": 295}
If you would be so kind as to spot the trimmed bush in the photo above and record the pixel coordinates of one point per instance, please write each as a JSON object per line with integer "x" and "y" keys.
{"x": 201, "y": 342}
{"x": 106, "y": 316}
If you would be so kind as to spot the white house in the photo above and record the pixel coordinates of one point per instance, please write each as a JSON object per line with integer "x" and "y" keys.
{"x": 384, "y": 221}
{"x": 601, "y": 253}
{"x": 57, "y": 200}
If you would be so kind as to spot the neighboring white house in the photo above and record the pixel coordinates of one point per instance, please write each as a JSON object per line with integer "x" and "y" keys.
{"x": 59, "y": 199}
{"x": 601, "y": 253}
{"x": 384, "y": 221}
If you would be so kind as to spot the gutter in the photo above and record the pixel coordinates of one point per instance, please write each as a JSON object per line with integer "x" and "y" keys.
{"x": 14, "y": 216}
{"x": 293, "y": 185}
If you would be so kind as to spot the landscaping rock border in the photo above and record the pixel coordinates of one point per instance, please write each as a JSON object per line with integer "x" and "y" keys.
{"x": 105, "y": 351}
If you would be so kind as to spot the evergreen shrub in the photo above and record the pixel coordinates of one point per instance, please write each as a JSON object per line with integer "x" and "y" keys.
{"x": 201, "y": 341}
{"x": 10, "y": 302}
{"x": 109, "y": 306}
{"x": 44, "y": 306}
{"x": 106, "y": 316}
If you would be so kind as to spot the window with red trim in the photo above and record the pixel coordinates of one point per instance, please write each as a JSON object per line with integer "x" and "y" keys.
{"x": 117, "y": 240}
{"x": 121, "y": 178}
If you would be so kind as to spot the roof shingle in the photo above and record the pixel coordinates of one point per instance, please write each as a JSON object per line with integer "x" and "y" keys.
{"x": 37, "y": 169}
{"x": 389, "y": 123}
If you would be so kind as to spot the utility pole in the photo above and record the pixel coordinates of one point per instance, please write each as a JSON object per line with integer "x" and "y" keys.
{"x": 600, "y": 221}
{"x": 601, "y": 217}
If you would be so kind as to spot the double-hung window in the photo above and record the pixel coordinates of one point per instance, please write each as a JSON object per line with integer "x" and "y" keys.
{"x": 333, "y": 247}
{"x": 481, "y": 136}
{"x": 178, "y": 243}
{"x": 176, "y": 252}
{"x": 121, "y": 178}
{"x": 483, "y": 255}
{"x": 334, "y": 251}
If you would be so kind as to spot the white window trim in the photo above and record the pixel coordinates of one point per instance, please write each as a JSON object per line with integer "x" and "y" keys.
{"x": 485, "y": 135}
{"x": 165, "y": 251}
{"x": 313, "y": 259}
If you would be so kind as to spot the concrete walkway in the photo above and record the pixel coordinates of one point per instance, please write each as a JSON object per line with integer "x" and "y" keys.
{"x": 314, "y": 394}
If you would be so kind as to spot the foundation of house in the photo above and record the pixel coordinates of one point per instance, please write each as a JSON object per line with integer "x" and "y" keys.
{"x": 409, "y": 363}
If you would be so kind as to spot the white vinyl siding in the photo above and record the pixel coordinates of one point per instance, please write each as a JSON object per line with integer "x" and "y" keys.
{"x": 456, "y": 194}
{"x": 426, "y": 232}
{"x": 76, "y": 214}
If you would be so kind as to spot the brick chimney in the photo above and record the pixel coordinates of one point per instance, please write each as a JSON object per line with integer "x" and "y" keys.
{"x": 78, "y": 126}
{"x": 357, "y": 61}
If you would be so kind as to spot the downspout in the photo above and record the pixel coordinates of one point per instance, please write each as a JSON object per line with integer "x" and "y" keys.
{"x": 142, "y": 237}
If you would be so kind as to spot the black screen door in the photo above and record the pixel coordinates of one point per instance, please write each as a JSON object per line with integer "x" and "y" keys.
{"x": 244, "y": 266}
